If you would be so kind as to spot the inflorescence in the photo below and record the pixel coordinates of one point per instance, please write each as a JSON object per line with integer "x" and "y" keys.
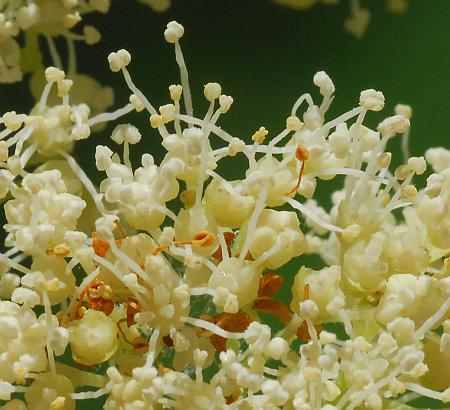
{"x": 158, "y": 285}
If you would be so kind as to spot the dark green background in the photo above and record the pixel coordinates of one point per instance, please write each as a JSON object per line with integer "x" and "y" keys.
{"x": 265, "y": 56}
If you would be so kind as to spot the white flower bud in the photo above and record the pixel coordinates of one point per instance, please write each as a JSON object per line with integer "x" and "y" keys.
{"x": 53, "y": 74}
{"x": 372, "y": 100}
{"x": 277, "y": 348}
{"x": 80, "y": 132}
{"x": 12, "y": 120}
{"x": 172, "y": 168}
{"x": 384, "y": 159}
{"x": 402, "y": 329}
{"x": 294, "y": 123}
{"x": 309, "y": 309}
{"x": 119, "y": 60}
{"x": 105, "y": 226}
{"x": 93, "y": 338}
{"x": 327, "y": 337}
{"x": 102, "y": 157}
{"x": 59, "y": 340}
{"x": 351, "y": 233}
{"x": 212, "y": 91}
{"x": 397, "y": 124}
{"x": 64, "y": 87}
{"x": 167, "y": 112}
{"x": 175, "y": 92}
{"x": 75, "y": 239}
{"x": 417, "y": 164}
{"x": 173, "y": 32}
{"x": 156, "y": 120}
{"x": 5, "y": 182}
{"x": 136, "y": 103}
{"x": 409, "y": 191}
{"x": 126, "y": 132}
{"x": 6, "y": 389}
{"x": 225, "y": 102}
{"x": 236, "y": 145}
{"x": 26, "y": 297}
{"x": 324, "y": 82}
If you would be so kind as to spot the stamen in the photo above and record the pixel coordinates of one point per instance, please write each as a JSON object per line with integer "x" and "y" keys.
{"x": 301, "y": 153}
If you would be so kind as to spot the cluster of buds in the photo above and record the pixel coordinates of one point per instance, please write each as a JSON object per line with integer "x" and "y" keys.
{"x": 177, "y": 286}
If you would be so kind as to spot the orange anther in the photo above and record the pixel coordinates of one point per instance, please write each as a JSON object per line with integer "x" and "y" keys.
{"x": 103, "y": 305}
{"x": 232, "y": 322}
{"x": 133, "y": 307}
{"x": 99, "y": 297}
{"x": 204, "y": 332}
{"x": 274, "y": 307}
{"x": 99, "y": 244}
{"x": 301, "y": 153}
{"x": 203, "y": 238}
{"x": 269, "y": 284}
{"x": 303, "y": 332}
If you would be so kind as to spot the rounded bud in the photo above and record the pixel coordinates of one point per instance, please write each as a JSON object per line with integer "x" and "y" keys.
{"x": 294, "y": 123}
{"x": 372, "y": 100}
{"x": 225, "y": 102}
{"x": 325, "y": 84}
{"x": 119, "y": 60}
{"x": 212, "y": 91}
{"x": 53, "y": 74}
{"x": 173, "y": 32}
{"x": 175, "y": 92}
{"x": 93, "y": 338}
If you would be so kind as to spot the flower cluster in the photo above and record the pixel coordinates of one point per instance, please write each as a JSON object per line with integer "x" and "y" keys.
{"x": 166, "y": 283}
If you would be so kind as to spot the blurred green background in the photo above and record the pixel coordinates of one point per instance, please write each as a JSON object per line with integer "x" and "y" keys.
{"x": 265, "y": 56}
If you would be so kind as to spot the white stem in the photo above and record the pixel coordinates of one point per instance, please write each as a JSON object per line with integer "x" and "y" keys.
{"x": 423, "y": 391}
{"x": 211, "y": 327}
{"x": 260, "y": 205}
{"x": 432, "y": 320}
{"x": 311, "y": 215}
{"x": 360, "y": 397}
{"x": 184, "y": 79}
{"x": 110, "y": 116}
{"x": 298, "y": 103}
{"x": 152, "y": 348}
{"x": 78, "y": 171}
{"x": 50, "y": 328}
